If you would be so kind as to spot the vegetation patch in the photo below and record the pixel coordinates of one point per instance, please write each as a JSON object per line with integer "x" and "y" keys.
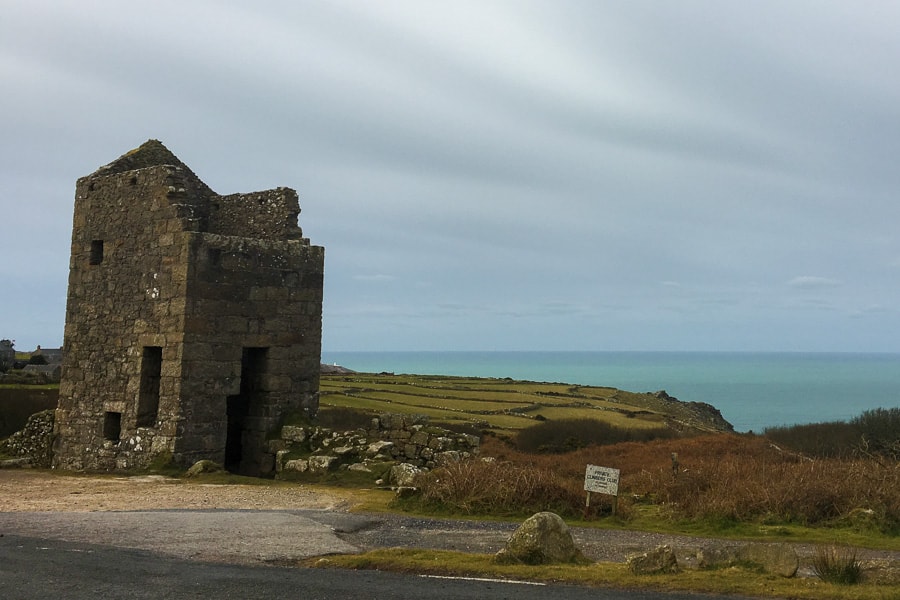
{"x": 572, "y": 434}
{"x": 733, "y": 580}
{"x": 837, "y": 564}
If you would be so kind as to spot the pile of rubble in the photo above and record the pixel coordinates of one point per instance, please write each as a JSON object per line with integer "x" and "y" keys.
{"x": 406, "y": 440}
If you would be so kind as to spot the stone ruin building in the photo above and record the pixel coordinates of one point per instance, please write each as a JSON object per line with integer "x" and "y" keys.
{"x": 193, "y": 320}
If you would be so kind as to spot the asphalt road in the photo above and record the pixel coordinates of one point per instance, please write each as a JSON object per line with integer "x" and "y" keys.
{"x": 33, "y": 568}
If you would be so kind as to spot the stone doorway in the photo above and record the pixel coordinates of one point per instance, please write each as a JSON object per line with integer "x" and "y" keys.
{"x": 242, "y": 451}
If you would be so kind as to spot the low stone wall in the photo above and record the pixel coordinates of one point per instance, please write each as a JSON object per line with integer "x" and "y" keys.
{"x": 32, "y": 445}
{"x": 395, "y": 438}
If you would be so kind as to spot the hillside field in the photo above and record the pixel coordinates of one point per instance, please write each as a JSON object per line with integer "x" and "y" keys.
{"x": 506, "y": 405}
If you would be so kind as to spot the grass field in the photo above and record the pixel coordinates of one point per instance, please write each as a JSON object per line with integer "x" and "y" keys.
{"x": 505, "y": 405}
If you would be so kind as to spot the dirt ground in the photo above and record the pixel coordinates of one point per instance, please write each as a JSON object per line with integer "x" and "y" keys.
{"x": 38, "y": 491}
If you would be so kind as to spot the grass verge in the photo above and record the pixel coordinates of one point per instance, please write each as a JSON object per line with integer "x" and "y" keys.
{"x": 733, "y": 580}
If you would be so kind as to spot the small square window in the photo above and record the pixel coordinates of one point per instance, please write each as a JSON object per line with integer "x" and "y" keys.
{"x": 112, "y": 426}
{"x": 96, "y": 252}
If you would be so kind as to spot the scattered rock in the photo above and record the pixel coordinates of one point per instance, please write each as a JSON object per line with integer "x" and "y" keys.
{"x": 543, "y": 538}
{"x": 658, "y": 561}
{"x": 321, "y": 464}
{"x": 292, "y": 433}
{"x": 403, "y": 474}
{"x": 298, "y": 465}
{"x": 203, "y": 466}
{"x": 379, "y": 447}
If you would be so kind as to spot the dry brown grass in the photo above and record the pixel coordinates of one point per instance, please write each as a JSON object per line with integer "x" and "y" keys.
{"x": 719, "y": 477}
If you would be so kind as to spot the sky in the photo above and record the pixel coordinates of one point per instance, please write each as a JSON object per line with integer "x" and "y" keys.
{"x": 489, "y": 175}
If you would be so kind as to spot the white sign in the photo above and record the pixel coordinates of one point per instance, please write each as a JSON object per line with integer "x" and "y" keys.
{"x": 601, "y": 480}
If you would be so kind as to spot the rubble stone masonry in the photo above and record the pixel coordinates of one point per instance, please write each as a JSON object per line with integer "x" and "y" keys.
{"x": 193, "y": 320}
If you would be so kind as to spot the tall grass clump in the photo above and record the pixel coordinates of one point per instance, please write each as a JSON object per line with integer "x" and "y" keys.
{"x": 834, "y": 564}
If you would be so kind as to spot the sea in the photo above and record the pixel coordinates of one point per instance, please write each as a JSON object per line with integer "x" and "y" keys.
{"x": 753, "y": 390}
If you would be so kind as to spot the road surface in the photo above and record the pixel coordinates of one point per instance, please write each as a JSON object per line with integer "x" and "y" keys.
{"x": 32, "y": 568}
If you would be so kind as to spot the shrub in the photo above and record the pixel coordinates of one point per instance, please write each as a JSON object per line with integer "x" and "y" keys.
{"x": 880, "y": 431}
{"x": 839, "y": 565}
{"x": 566, "y": 435}
{"x": 874, "y": 432}
{"x": 827, "y": 440}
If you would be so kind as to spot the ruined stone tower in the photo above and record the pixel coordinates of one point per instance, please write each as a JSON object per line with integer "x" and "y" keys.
{"x": 193, "y": 320}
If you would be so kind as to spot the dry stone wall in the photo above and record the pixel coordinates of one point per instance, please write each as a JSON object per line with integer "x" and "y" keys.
{"x": 31, "y": 446}
{"x": 406, "y": 439}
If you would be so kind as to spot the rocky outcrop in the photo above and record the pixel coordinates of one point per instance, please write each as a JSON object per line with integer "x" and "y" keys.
{"x": 697, "y": 415}
{"x": 390, "y": 439}
{"x": 334, "y": 369}
{"x": 542, "y": 539}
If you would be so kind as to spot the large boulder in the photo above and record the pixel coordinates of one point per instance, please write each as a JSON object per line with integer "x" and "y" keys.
{"x": 542, "y": 539}
{"x": 403, "y": 474}
{"x": 659, "y": 560}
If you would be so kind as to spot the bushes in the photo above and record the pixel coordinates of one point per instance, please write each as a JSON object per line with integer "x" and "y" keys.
{"x": 874, "y": 432}
{"x": 826, "y": 440}
{"x": 566, "y": 435}
{"x": 880, "y": 431}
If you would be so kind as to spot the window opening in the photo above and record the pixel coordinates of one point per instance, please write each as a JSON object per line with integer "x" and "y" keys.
{"x": 112, "y": 426}
{"x": 96, "y": 252}
{"x": 148, "y": 400}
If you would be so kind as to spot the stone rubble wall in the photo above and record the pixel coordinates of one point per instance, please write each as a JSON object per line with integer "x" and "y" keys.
{"x": 32, "y": 445}
{"x": 406, "y": 439}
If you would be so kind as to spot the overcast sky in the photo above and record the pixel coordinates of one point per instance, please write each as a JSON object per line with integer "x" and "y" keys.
{"x": 485, "y": 175}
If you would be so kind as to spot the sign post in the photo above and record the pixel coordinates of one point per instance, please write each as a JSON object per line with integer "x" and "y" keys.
{"x": 601, "y": 480}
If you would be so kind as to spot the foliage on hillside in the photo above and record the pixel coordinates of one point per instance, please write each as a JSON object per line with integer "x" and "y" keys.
{"x": 873, "y": 433}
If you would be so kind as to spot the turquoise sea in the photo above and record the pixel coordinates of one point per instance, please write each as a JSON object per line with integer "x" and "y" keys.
{"x": 753, "y": 390}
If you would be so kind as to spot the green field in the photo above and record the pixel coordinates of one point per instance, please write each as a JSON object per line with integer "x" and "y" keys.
{"x": 504, "y": 404}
